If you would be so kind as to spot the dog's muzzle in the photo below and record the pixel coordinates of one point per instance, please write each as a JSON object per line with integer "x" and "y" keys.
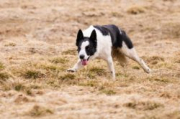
{"x": 84, "y": 61}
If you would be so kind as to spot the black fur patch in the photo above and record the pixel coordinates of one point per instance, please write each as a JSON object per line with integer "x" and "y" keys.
{"x": 126, "y": 39}
{"x": 104, "y": 31}
{"x": 80, "y": 37}
{"x": 117, "y": 36}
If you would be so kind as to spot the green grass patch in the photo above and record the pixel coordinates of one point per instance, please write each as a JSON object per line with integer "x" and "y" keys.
{"x": 136, "y": 67}
{"x": 19, "y": 87}
{"x": 67, "y": 77}
{"x": 33, "y": 74}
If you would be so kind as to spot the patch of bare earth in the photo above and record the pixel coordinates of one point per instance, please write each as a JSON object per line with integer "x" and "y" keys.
{"x": 37, "y": 46}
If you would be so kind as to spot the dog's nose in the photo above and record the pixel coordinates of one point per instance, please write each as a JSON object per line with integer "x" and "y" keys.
{"x": 81, "y": 56}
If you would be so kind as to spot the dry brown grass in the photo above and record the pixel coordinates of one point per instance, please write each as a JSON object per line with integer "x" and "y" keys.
{"x": 37, "y": 111}
{"x": 37, "y": 46}
{"x": 136, "y": 10}
{"x": 144, "y": 105}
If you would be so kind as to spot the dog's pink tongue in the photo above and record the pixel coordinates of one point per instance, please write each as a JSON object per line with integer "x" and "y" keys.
{"x": 84, "y": 62}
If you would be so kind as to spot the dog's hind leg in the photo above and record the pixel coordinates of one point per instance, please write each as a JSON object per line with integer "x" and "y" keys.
{"x": 77, "y": 66}
{"x": 131, "y": 53}
{"x": 120, "y": 57}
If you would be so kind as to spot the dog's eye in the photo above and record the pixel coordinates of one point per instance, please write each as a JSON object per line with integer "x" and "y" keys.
{"x": 87, "y": 48}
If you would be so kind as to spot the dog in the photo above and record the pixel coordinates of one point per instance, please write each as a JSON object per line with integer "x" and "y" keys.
{"x": 102, "y": 42}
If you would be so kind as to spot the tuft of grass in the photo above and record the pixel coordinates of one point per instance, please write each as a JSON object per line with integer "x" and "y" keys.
{"x": 67, "y": 77}
{"x": 108, "y": 91}
{"x": 143, "y": 105}
{"x": 1, "y": 66}
{"x": 19, "y": 87}
{"x": 91, "y": 75}
{"x": 29, "y": 92}
{"x": 157, "y": 58}
{"x": 70, "y": 52}
{"x": 50, "y": 67}
{"x": 4, "y": 76}
{"x": 160, "y": 79}
{"x": 21, "y": 98}
{"x": 164, "y": 80}
{"x": 166, "y": 65}
{"x": 33, "y": 74}
{"x": 37, "y": 111}
{"x": 96, "y": 70}
{"x": 91, "y": 83}
{"x": 173, "y": 115}
{"x": 116, "y": 14}
{"x": 177, "y": 61}
{"x": 35, "y": 86}
{"x": 171, "y": 30}
{"x": 136, "y": 67}
{"x": 59, "y": 60}
{"x": 154, "y": 60}
{"x": 10, "y": 44}
{"x": 136, "y": 10}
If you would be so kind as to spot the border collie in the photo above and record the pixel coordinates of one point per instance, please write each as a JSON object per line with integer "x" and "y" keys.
{"x": 102, "y": 42}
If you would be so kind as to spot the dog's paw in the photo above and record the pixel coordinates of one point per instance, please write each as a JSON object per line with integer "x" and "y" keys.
{"x": 148, "y": 70}
{"x": 71, "y": 70}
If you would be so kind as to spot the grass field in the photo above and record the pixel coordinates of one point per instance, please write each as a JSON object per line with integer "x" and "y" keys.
{"x": 37, "y": 46}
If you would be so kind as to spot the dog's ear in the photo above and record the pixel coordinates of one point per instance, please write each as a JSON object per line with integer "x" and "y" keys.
{"x": 79, "y": 37}
{"x": 93, "y": 37}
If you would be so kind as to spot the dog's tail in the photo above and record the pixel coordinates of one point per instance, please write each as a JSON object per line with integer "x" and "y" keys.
{"x": 121, "y": 58}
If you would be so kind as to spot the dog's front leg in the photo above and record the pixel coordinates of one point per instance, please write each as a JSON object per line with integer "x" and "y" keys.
{"x": 77, "y": 66}
{"x": 111, "y": 67}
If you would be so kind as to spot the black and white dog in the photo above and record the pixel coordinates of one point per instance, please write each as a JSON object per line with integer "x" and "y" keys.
{"x": 101, "y": 42}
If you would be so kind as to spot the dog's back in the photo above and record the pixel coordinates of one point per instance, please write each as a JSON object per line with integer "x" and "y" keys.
{"x": 117, "y": 35}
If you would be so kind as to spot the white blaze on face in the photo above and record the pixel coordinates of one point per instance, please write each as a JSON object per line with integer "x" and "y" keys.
{"x": 83, "y": 49}
{"x": 83, "y": 52}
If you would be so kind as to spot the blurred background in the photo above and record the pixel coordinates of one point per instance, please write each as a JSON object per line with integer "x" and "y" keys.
{"x": 37, "y": 45}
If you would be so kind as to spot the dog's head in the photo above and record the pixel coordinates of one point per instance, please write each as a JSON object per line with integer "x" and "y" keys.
{"x": 86, "y": 46}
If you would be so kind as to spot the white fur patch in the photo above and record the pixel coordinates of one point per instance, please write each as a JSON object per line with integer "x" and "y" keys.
{"x": 87, "y": 32}
{"x": 83, "y": 49}
{"x": 84, "y": 44}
